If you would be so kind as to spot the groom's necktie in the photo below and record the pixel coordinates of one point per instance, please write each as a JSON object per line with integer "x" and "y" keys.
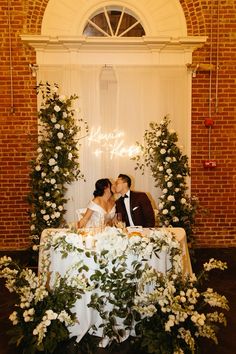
{"x": 125, "y": 211}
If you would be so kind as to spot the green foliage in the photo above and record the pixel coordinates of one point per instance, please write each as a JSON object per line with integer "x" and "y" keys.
{"x": 169, "y": 168}
{"x": 57, "y": 161}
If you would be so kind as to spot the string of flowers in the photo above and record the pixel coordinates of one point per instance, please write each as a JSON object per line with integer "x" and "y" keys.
{"x": 57, "y": 161}
{"x": 169, "y": 168}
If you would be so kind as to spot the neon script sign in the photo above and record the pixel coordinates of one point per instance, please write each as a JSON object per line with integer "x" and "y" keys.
{"x": 112, "y": 143}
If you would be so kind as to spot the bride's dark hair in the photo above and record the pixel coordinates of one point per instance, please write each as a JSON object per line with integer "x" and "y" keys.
{"x": 100, "y": 186}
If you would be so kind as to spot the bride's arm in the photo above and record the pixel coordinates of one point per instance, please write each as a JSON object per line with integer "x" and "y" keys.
{"x": 82, "y": 222}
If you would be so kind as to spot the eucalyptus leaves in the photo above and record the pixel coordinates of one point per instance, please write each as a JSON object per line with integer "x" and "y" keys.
{"x": 169, "y": 168}
{"x": 57, "y": 161}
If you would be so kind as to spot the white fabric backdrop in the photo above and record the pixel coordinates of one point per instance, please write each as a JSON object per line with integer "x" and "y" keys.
{"x": 118, "y": 103}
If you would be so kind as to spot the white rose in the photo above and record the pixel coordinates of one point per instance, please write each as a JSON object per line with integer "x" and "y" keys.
{"x": 183, "y": 201}
{"x": 169, "y": 184}
{"x": 53, "y": 181}
{"x": 52, "y": 162}
{"x": 163, "y": 151}
{"x": 46, "y": 217}
{"x": 53, "y": 119}
{"x": 38, "y": 168}
{"x": 161, "y": 168}
{"x": 165, "y": 211}
{"x": 57, "y": 108}
{"x": 171, "y": 198}
{"x": 55, "y": 169}
{"x": 60, "y": 135}
{"x": 57, "y": 126}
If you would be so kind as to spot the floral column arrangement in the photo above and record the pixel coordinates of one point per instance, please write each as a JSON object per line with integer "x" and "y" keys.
{"x": 169, "y": 168}
{"x": 57, "y": 161}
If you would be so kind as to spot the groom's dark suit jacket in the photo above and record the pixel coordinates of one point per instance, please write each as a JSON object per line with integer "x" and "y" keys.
{"x": 140, "y": 208}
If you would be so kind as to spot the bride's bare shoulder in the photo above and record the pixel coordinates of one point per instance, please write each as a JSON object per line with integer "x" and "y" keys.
{"x": 97, "y": 200}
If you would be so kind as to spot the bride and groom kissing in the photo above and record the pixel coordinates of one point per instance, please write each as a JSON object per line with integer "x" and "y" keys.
{"x": 134, "y": 207}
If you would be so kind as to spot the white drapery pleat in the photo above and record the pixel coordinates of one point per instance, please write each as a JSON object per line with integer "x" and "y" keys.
{"x": 119, "y": 102}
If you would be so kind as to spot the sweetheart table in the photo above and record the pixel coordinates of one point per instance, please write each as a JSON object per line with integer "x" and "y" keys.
{"x": 62, "y": 251}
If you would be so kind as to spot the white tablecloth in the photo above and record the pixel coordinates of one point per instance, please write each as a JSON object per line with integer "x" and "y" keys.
{"x": 87, "y": 317}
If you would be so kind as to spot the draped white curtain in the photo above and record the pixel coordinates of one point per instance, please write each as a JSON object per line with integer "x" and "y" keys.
{"x": 119, "y": 102}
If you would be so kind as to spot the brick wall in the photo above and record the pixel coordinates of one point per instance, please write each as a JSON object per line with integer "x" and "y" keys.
{"x": 216, "y": 188}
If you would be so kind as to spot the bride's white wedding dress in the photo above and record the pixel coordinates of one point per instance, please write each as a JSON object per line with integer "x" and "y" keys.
{"x": 99, "y": 215}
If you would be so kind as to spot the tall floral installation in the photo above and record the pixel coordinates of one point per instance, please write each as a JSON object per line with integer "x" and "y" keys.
{"x": 154, "y": 311}
{"x": 169, "y": 167}
{"x": 57, "y": 162}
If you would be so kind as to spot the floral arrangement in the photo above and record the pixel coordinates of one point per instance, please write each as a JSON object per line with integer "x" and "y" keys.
{"x": 175, "y": 313}
{"x": 57, "y": 161}
{"x": 160, "y": 312}
{"x": 169, "y": 167}
{"x": 42, "y": 314}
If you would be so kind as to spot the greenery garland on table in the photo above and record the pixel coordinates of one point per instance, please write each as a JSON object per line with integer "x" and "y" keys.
{"x": 57, "y": 162}
{"x": 169, "y": 168}
{"x": 163, "y": 313}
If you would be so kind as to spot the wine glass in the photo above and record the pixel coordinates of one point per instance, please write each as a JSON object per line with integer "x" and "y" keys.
{"x": 118, "y": 222}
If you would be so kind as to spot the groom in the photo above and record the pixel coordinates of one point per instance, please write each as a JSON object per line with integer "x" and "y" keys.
{"x": 135, "y": 207}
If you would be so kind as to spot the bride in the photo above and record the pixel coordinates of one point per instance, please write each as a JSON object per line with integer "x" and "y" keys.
{"x": 101, "y": 209}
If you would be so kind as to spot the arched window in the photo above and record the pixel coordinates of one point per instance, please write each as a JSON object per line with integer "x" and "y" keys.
{"x": 113, "y": 21}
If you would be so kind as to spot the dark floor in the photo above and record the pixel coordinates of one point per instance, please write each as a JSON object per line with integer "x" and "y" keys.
{"x": 223, "y": 282}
